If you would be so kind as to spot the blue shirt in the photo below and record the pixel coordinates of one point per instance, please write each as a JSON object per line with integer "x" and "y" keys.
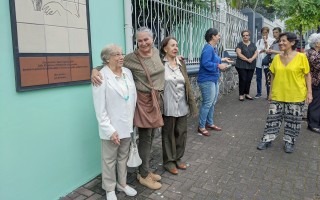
{"x": 209, "y": 61}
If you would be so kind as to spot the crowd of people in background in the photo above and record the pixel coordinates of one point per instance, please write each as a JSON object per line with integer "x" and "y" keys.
{"x": 292, "y": 79}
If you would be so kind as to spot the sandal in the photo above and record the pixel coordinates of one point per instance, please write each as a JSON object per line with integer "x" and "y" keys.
{"x": 203, "y": 131}
{"x": 213, "y": 127}
{"x": 241, "y": 98}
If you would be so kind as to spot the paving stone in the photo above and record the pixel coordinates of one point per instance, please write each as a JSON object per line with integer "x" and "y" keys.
{"x": 95, "y": 197}
{"x": 84, "y": 191}
{"x": 199, "y": 191}
{"x": 80, "y": 197}
{"x": 73, "y": 195}
{"x": 227, "y": 164}
{"x": 92, "y": 183}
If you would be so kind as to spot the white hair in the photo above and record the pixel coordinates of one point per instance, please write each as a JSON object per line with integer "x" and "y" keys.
{"x": 313, "y": 39}
{"x": 107, "y": 51}
{"x": 146, "y": 30}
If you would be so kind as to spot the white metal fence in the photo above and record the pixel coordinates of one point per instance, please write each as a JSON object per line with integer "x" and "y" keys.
{"x": 188, "y": 24}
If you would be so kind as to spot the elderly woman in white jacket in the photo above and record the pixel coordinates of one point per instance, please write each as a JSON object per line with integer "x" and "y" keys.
{"x": 114, "y": 103}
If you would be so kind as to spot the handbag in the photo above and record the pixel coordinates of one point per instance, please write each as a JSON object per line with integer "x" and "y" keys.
{"x": 134, "y": 159}
{"x": 267, "y": 60}
{"x": 147, "y": 113}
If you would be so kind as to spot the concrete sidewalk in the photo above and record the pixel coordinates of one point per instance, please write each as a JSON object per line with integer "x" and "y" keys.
{"x": 227, "y": 164}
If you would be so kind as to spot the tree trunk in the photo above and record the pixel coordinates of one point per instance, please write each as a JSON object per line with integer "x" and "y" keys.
{"x": 300, "y": 30}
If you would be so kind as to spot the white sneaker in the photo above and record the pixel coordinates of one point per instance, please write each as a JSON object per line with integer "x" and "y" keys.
{"x": 128, "y": 190}
{"x": 111, "y": 196}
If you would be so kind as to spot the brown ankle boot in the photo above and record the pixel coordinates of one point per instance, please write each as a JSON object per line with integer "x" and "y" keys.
{"x": 149, "y": 182}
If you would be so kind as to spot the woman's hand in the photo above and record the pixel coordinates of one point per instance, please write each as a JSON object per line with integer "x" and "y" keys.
{"x": 96, "y": 78}
{"x": 115, "y": 138}
{"x": 180, "y": 57}
{"x": 227, "y": 60}
{"x": 309, "y": 98}
{"x": 269, "y": 51}
{"x": 250, "y": 60}
{"x": 222, "y": 66}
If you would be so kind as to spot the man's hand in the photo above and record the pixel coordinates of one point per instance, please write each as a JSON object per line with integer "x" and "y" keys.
{"x": 115, "y": 138}
{"x": 96, "y": 78}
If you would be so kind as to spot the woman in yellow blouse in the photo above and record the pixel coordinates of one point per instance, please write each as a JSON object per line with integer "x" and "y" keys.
{"x": 290, "y": 87}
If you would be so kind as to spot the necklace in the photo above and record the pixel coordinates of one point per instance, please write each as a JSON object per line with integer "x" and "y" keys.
{"x": 126, "y": 97}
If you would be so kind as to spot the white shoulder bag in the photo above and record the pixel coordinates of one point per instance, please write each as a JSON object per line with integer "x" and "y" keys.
{"x": 134, "y": 158}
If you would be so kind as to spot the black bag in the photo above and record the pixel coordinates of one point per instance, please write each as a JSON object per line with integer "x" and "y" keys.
{"x": 266, "y": 60}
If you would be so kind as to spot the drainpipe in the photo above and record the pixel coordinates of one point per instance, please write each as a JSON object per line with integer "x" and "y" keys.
{"x": 128, "y": 26}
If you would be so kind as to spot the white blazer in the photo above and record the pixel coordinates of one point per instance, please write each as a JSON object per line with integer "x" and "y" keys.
{"x": 113, "y": 112}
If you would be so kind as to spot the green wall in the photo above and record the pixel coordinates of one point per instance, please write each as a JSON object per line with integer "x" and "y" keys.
{"x": 49, "y": 142}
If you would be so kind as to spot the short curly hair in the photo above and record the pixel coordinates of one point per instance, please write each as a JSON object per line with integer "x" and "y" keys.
{"x": 107, "y": 51}
{"x": 291, "y": 37}
{"x": 313, "y": 39}
{"x": 209, "y": 33}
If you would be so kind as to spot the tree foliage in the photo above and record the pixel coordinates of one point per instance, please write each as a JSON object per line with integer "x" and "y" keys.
{"x": 301, "y": 15}
{"x": 264, "y": 7}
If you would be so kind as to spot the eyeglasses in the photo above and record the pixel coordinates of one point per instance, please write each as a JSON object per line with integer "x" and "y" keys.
{"x": 117, "y": 54}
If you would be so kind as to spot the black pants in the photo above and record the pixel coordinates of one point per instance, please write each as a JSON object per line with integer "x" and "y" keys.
{"x": 314, "y": 108}
{"x": 245, "y": 77}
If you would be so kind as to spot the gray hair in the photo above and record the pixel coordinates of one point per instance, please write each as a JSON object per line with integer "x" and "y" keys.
{"x": 146, "y": 30}
{"x": 107, "y": 51}
{"x": 313, "y": 39}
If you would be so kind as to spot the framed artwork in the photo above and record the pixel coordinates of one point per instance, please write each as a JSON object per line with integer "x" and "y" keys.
{"x": 51, "y": 43}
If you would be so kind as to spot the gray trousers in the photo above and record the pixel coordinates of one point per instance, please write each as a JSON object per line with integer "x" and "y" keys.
{"x": 146, "y": 136}
{"x": 174, "y": 137}
{"x": 114, "y": 156}
{"x": 291, "y": 113}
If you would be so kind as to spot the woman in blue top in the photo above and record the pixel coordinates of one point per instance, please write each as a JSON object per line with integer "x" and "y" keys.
{"x": 208, "y": 77}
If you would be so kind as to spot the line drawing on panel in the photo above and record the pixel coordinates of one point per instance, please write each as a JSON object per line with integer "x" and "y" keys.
{"x": 52, "y": 7}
